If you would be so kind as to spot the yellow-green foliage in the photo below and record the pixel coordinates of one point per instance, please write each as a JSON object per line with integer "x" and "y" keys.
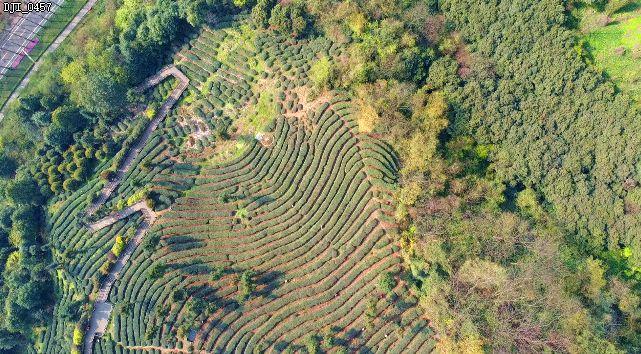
{"x": 321, "y": 73}
{"x": 118, "y": 246}
{"x": 616, "y": 48}
{"x": 150, "y": 112}
{"x": 594, "y": 279}
{"x": 138, "y": 196}
{"x": 13, "y": 260}
{"x": 527, "y": 201}
{"x": 366, "y": 117}
{"x": 243, "y": 36}
{"x": 78, "y": 336}
{"x": 419, "y": 149}
{"x": 263, "y": 112}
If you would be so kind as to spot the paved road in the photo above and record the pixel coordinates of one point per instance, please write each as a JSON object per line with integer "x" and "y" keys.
{"x": 119, "y": 215}
{"x": 100, "y": 317}
{"x": 56, "y": 43}
{"x": 21, "y": 36}
{"x": 102, "y": 309}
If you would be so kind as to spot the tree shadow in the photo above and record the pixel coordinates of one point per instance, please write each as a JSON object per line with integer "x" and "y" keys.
{"x": 262, "y": 200}
{"x": 183, "y": 243}
{"x": 633, "y": 6}
{"x": 269, "y": 282}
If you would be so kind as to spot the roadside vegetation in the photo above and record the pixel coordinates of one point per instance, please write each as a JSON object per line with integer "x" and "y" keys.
{"x": 54, "y": 26}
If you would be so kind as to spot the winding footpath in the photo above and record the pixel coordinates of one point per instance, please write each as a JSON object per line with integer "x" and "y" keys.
{"x": 102, "y": 309}
{"x": 135, "y": 150}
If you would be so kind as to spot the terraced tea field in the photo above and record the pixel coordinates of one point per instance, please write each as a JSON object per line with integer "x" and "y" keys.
{"x": 273, "y": 226}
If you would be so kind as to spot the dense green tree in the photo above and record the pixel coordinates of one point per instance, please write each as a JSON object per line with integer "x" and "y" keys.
{"x": 260, "y": 13}
{"x": 557, "y": 128}
{"x": 386, "y": 282}
{"x": 41, "y": 118}
{"x": 58, "y": 137}
{"x": 246, "y": 284}
{"x": 26, "y": 223}
{"x": 28, "y": 105}
{"x": 289, "y": 18}
{"x": 10, "y": 341}
{"x": 68, "y": 118}
{"x": 24, "y": 190}
{"x": 157, "y": 271}
{"x": 194, "y": 12}
{"x": 5, "y": 217}
{"x": 7, "y": 166}
{"x": 100, "y": 75}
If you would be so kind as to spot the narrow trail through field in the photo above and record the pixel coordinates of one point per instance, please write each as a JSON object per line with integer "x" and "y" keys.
{"x": 102, "y": 309}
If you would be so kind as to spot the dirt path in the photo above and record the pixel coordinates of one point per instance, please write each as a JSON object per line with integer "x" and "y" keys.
{"x": 102, "y": 309}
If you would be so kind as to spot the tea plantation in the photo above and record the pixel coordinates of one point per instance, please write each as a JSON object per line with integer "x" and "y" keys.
{"x": 273, "y": 216}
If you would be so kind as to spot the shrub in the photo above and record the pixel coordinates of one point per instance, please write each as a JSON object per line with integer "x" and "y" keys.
{"x": 246, "y": 284}
{"x": 78, "y": 336}
{"x": 322, "y": 73}
{"x": 108, "y": 175}
{"x": 157, "y": 271}
{"x": 118, "y": 246}
{"x": 217, "y": 272}
{"x": 386, "y": 282}
{"x": 312, "y": 344}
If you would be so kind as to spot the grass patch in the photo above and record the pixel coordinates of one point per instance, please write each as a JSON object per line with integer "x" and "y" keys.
{"x": 263, "y": 112}
{"x": 242, "y": 37}
{"x": 54, "y": 26}
{"x": 228, "y": 150}
{"x": 616, "y": 49}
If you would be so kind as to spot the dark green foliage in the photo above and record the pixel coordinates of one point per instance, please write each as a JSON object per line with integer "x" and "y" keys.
{"x": 178, "y": 295}
{"x": 24, "y": 190}
{"x": 26, "y": 223}
{"x": 151, "y": 242}
{"x": 10, "y": 341}
{"x": 69, "y": 118}
{"x": 218, "y": 273}
{"x": 289, "y": 18}
{"x": 58, "y": 137}
{"x": 558, "y": 127}
{"x": 157, "y": 271}
{"x": 5, "y": 217}
{"x": 386, "y": 282}
{"x": 41, "y": 118}
{"x": 7, "y": 166}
